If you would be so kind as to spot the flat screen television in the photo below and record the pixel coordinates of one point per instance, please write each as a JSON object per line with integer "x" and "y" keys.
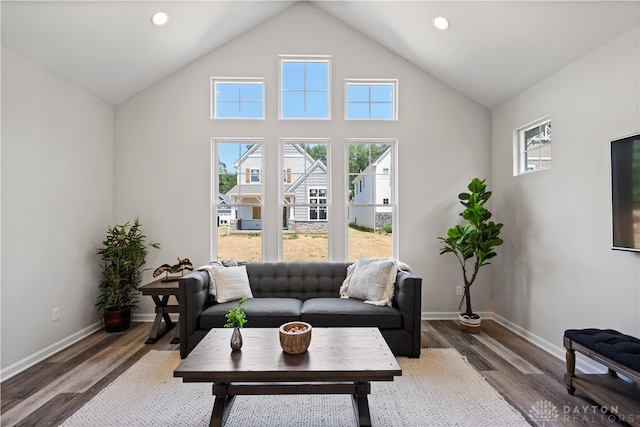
{"x": 625, "y": 192}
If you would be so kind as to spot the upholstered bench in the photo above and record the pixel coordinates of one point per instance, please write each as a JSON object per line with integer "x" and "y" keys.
{"x": 621, "y": 355}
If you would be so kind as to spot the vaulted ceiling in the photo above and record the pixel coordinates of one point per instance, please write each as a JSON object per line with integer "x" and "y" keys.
{"x": 492, "y": 51}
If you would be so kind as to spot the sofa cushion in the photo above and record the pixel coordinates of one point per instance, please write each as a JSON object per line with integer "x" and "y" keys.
{"x": 371, "y": 280}
{"x": 332, "y": 312}
{"x": 232, "y": 283}
{"x": 261, "y": 313}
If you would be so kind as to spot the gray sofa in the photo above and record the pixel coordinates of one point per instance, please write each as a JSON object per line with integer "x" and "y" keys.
{"x": 309, "y": 292}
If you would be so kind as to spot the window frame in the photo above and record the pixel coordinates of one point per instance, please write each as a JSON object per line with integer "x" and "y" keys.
{"x": 520, "y": 151}
{"x": 393, "y": 188}
{"x": 303, "y": 58}
{"x": 371, "y": 82}
{"x": 214, "y": 180}
{"x": 240, "y": 81}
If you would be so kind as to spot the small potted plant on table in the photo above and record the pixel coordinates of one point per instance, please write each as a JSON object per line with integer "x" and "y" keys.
{"x": 236, "y": 318}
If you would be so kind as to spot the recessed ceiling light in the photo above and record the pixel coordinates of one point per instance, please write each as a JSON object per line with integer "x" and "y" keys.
{"x": 160, "y": 18}
{"x": 441, "y": 23}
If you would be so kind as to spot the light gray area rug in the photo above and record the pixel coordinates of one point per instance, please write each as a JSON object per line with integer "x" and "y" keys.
{"x": 438, "y": 389}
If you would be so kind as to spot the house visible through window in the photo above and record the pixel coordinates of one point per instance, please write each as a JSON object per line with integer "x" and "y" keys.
{"x": 371, "y": 188}
{"x": 238, "y": 194}
{"x": 370, "y": 99}
{"x": 304, "y": 87}
{"x": 237, "y": 98}
{"x": 533, "y": 144}
{"x": 304, "y": 197}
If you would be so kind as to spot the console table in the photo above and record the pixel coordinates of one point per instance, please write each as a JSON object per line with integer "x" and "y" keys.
{"x": 160, "y": 292}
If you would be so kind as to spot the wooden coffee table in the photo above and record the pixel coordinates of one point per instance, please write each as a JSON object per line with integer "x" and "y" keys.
{"x": 338, "y": 361}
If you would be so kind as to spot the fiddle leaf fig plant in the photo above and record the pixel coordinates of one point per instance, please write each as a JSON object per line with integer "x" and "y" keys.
{"x": 473, "y": 243}
{"x": 236, "y": 317}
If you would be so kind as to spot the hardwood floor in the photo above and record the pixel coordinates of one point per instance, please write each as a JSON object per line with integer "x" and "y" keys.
{"x": 48, "y": 393}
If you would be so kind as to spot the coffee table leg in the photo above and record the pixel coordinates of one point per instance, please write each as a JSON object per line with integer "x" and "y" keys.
{"x": 361, "y": 404}
{"x": 221, "y": 406}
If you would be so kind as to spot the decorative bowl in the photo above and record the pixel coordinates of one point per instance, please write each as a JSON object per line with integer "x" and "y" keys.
{"x": 295, "y": 337}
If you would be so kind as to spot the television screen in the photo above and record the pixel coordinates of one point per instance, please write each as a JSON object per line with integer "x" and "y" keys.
{"x": 625, "y": 192}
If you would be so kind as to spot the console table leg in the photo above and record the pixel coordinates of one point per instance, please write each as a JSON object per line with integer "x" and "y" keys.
{"x": 361, "y": 404}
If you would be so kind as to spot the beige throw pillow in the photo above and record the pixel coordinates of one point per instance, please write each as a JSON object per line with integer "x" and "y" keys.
{"x": 232, "y": 283}
{"x": 371, "y": 280}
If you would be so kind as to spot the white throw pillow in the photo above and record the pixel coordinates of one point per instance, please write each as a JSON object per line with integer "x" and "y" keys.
{"x": 371, "y": 280}
{"x": 232, "y": 283}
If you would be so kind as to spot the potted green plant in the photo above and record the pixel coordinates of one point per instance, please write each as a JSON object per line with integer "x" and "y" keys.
{"x": 123, "y": 253}
{"x": 473, "y": 242}
{"x": 236, "y": 318}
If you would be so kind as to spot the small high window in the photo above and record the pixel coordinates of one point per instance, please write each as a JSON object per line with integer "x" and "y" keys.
{"x": 533, "y": 145}
{"x": 241, "y": 98}
{"x": 304, "y": 87}
{"x": 370, "y": 99}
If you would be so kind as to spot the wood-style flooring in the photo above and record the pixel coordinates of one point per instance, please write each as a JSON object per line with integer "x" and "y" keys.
{"x": 529, "y": 378}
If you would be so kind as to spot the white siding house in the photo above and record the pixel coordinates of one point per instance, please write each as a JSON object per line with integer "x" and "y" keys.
{"x": 304, "y": 191}
{"x": 371, "y": 204}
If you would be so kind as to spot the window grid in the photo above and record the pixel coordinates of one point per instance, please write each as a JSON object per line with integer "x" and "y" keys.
{"x": 370, "y": 99}
{"x": 233, "y": 98}
{"x": 304, "y": 87}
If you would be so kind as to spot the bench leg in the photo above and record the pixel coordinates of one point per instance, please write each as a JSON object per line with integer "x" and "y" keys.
{"x": 571, "y": 366}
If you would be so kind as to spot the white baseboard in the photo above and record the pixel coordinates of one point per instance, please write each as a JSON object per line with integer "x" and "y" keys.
{"x": 583, "y": 364}
{"x": 49, "y": 351}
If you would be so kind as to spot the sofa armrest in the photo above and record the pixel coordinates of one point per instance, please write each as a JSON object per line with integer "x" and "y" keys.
{"x": 408, "y": 298}
{"x": 193, "y": 294}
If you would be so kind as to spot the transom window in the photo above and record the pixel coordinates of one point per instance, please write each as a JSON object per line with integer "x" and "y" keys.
{"x": 241, "y": 98}
{"x": 533, "y": 145}
{"x": 370, "y": 99}
{"x": 304, "y": 87}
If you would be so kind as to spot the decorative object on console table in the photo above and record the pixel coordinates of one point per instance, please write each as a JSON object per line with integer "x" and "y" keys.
{"x": 123, "y": 254}
{"x": 180, "y": 267}
{"x": 236, "y": 318}
{"x": 473, "y": 241}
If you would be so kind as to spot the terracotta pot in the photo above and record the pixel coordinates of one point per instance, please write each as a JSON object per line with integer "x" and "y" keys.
{"x": 117, "y": 320}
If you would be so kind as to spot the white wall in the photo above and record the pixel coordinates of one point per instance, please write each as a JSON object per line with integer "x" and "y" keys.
{"x": 163, "y": 138}
{"x": 556, "y": 269}
{"x": 57, "y": 199}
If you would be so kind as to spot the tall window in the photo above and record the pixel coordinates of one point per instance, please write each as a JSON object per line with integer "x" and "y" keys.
{"x": 304, "y": 87}
{"x": 237, "y": 98}
{"x": 533, "y": 145}
{"x": 371, "y": 184}
{"x": 305, "y": 199}
{"x": 237, "y": 200}
{"x": 371, "y": 99}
